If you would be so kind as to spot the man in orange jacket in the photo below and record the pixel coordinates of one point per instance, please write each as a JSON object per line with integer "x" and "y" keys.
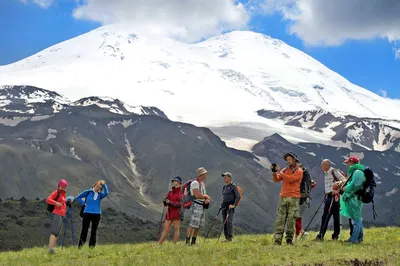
{"x": 288, "y": 208}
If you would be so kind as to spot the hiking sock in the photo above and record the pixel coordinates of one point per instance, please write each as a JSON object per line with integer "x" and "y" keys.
{"x": 193, "y": 240}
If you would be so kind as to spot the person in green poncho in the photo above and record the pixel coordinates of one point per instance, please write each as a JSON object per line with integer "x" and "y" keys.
{"x": 351, "y": 204}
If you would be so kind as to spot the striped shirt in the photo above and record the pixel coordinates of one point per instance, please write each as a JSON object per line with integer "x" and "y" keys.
{"x": 329, "y": 179}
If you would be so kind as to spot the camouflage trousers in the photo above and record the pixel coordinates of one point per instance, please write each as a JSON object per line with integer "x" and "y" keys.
{"x": 287, "y": 213}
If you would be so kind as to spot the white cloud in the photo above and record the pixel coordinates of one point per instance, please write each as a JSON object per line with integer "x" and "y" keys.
{"x": 397, "y": 53}
{"x": 189, "y": 20}
{"x": 41, "y": 3}
{"x": 383, "y": 93}
{"x": 319, "y": 22}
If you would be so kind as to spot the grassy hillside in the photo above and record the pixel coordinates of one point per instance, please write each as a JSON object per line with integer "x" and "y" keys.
{"x": 25, "y": 224}
{"x": 381, "y": 247}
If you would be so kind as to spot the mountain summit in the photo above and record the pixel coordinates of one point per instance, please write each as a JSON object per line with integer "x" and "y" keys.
{"x": 220, "y": 80}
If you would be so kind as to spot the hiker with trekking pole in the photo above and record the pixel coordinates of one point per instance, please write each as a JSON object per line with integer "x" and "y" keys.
{"x": 334, "y": 179}
{"x": 288, "y": 207}
{"x": 57, "y": 205}
{"x": 174, "y": 214}
{"x": 231, "y": 194}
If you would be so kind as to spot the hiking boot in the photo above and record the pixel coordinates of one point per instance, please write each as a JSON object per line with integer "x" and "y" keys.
{"x": 289, "y": 242}
{"x": 335, "y": 238}
{"x": 187, "y": 240}
{"x": 52, "y": 252}
{"x": 319, "y": 238}
{"x": 278, "y": 243}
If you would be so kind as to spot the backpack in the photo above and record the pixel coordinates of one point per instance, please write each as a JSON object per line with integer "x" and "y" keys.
{"x": 83, "y": 206}
{"x": 50, "y": 207}
{"x": 187, "y": 197}
{"x": 368, "y": 190}
{"x": 305, "y": 186}
{"x": 239, "y": 188}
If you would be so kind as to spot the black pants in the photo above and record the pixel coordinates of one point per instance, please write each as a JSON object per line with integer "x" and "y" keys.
{"x": 87, "y": 218}
{"x": 228, "y": 226}
{"x": 335, "y": 212}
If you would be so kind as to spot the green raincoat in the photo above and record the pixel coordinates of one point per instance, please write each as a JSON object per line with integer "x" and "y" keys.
{"x": 350, "y": 203}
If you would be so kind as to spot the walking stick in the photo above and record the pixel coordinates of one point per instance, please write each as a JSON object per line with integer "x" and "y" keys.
{"x": 65, "y": 232}
{"x": 226, "y": 219}
{"x": 72, "y": 226}
{"x": 313, "y": 217}
{"x": 215, "y": 219}
{"x": 161, "y": 222}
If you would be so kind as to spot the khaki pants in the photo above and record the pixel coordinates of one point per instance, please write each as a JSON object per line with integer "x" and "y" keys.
{"x": 287, "y": 213}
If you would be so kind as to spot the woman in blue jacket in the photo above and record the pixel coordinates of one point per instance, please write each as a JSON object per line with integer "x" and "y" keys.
{"x": 92, "y": 211}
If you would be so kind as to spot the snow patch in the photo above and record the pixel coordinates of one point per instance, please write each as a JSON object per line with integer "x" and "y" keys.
{"x": 311, "y": 153}
{"x": 73, "y": 154}
{"x": 93, "y": 123}
{"x": 132, "y": 164}
{"x": 110, "y": 140}
{"x": 392, "y": 192}
{"x": 125, "y": 123}
{"x": 12, "y": 122}
{"x": 50, "y": 135}
{"x": 40, "y": 117}
{"x": 183, "y": 132}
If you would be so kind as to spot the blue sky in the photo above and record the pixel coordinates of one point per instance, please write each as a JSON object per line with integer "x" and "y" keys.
{"x": 27, "y": 28}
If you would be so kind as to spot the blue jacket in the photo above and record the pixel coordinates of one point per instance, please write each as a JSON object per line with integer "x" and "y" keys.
{"x": 92, "y": 205}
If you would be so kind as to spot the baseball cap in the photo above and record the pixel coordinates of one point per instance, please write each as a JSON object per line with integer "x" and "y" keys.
{"x": 227, "y": 174}
{"x": 352, "y": 159}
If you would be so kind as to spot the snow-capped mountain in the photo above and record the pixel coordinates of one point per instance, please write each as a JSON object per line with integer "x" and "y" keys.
{"x": 29, "y": 101}
{"x": 347, "y": 130}
{"x": 219, "y": 82}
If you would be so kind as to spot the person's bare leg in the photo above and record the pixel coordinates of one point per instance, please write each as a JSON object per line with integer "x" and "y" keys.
{"x": 165, "y": 232}
{"x": 177, "y": 225}
{"x": 52, "y": 242}
{"x": 188, "y": 234}
{"x": 195, "y": 232}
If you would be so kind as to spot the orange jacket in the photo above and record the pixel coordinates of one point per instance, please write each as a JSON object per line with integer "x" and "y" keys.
{"x": 291, "y": 180}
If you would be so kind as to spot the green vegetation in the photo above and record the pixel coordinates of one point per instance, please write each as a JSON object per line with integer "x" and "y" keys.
{"x": 381, "y": 247}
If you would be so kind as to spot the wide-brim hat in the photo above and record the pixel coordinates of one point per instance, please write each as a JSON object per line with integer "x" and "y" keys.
{"x": 291, "y": 154}
{"x": 201, "y": 171}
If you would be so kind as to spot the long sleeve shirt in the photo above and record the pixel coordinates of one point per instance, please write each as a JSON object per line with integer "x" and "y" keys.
{"x": 329, "y": 178}
{"x": 291, "y": 179}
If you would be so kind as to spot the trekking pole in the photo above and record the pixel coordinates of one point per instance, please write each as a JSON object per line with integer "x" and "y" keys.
{"x": 215, "y": 219}
{"x": 65, "y": 232}
{"x": 72, "y": 226}
{"x": 161, "y": 222}
{"x": 226, "y": 219}
{"x": 302, "y": 235}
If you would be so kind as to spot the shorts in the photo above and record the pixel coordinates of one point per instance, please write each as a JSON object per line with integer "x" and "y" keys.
{"x": 56, "y": 225}
{"x": 197, "y": 216}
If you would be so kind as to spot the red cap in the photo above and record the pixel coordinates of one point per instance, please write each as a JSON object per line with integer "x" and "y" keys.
{"x": 352, "y": 159}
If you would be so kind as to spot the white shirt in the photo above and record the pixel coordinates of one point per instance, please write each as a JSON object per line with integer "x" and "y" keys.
{"x": 329, "y": 179}
{"x": 195, "y": 185}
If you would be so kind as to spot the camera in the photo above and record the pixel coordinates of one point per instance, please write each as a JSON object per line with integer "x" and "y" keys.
{"x": 273, "y": 168}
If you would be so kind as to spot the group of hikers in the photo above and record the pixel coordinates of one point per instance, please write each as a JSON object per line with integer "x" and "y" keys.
{"x": 90, "y": 211}
{"x": 342, "y": 197}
